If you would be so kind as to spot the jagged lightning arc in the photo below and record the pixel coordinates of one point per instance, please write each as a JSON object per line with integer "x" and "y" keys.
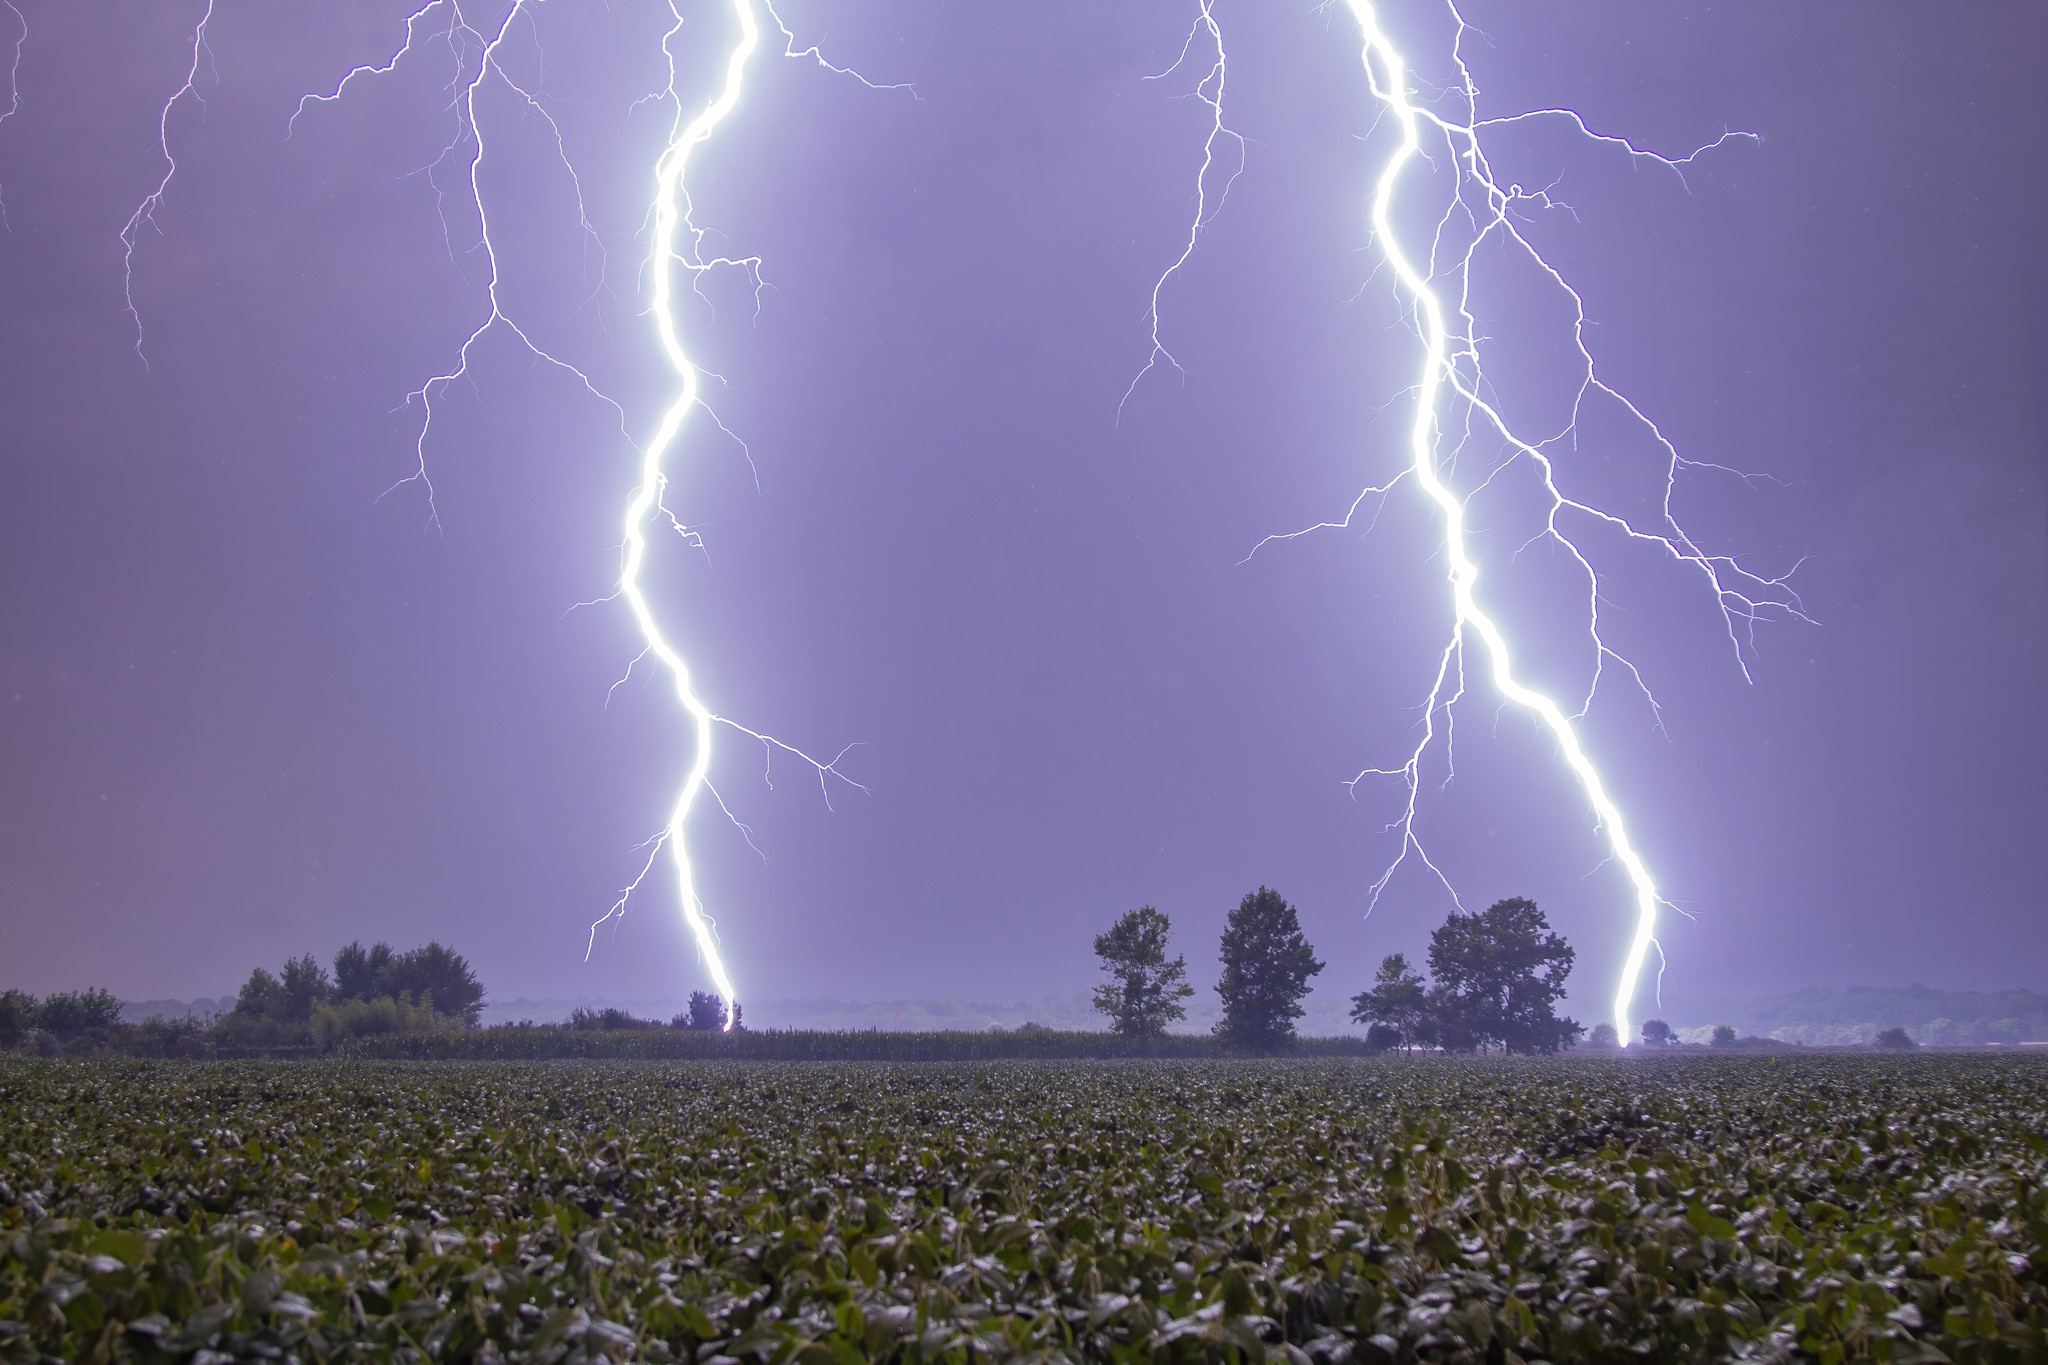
{"x": 1209, "y": 91}
{"x": 13, "y": 86}
{"x": 675, "y": 247}
{"x": 1451, "y": 393}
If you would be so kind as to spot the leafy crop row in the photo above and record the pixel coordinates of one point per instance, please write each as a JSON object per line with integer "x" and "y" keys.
{"x": 1395, "y": 1209}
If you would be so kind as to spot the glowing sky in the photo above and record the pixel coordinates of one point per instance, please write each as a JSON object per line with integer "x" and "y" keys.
{"x": 246, "y": 708}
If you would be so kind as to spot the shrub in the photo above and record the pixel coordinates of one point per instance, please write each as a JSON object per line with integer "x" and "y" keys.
{"x": 1895, "y": 1038}
{"x": 1724, "y": 1035}
{"x": 72, "y": 1014}
{"x": 335, "y": 1022}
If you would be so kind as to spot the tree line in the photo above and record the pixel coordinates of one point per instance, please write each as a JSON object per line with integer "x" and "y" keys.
{"x": 1498, "y": 975}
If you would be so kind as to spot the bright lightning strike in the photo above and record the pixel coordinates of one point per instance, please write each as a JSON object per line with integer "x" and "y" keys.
{"x": 481, "y": 57}
{"x": 1452, "y": 396}
{"x": 145, "y": 212}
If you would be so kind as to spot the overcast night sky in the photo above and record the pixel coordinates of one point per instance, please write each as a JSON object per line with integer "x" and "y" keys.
{"x": 251, "y": 704}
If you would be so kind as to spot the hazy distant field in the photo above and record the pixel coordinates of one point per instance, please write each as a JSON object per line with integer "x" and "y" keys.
{"x": 1841, "y": 1207}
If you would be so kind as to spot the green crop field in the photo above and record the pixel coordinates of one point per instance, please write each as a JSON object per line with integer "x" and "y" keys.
{"x": 1835, "y": 1208}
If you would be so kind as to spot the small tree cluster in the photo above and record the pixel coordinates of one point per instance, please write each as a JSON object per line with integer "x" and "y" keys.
{"x": 63, "y": 1016}
{"x": 1267, "y": 963}
{"x": 372, "y": 990}
{"x": 1499, "y": 974}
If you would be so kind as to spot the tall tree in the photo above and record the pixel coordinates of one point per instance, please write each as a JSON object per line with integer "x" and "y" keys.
{"x": 706, "y": 1011}
{"x": 434, "y": 974}
{"x": 1499, "y": 975}
{"x": 356, "y": 969}
{"x": 1144, "y": 992}
{"x": 303, "y": 984}
{"x": 1397, "y": 1003}
{"x": 1267, "y": 963}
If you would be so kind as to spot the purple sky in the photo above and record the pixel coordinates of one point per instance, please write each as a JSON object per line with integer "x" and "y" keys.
{"x": 247, "y": 708}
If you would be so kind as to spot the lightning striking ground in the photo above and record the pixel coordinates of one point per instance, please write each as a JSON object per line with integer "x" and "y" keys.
{"x": 1453, "y": 399}
{"x": 676, "y": 247}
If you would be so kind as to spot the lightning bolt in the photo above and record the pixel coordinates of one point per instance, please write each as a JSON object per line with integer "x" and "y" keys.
{"x": 13, "y": 87}
{"x": 1453, "y": 403}
{"x": 479, "y": 53}
{"x": 1208, "y": 90}
{"x": 145, "y": 212}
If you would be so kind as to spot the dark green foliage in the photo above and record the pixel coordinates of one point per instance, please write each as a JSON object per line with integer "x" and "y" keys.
{"x": 1657, "y": 1033}
{"x": 611, "y": 1019}
{"x": 1267, "y": 963}
{"x": 1145, "y": 991}
{"x": 1498, "y": 977}
{"x": 302, "y": 985}
{"x": 357, "y": 968}
{"x": 1859, "y": 1207}
{"x": 17, "y": 1016}
{"x": 1724, "y": 1035}
{"x": 73, "y": 1014}
{"x": 706, "y": 1012}
{"x": 434, "y": 975}
{"x": 1894, "y": 1038}
{"x": 1397, "y": 1006}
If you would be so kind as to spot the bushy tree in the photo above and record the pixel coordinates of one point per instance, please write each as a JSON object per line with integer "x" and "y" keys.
{"x": 1499, "y": 975}
{"x": 1397, "y": 1006}
{"x": 434, "y": 975}
{"x": 73, "y": 1014}
{"x": 17, "y": 1016}
{"x": 1896, "y": 1038}
{"x": 261, "y": 997}
{"x": 1144, "y": 992}
{"x": 302, "y": 985}
{"x": 706, "y": 1011}
{"x": 356, "y": 970}
{"x": 1657, "y": 1033}
{"x": 1603, "y": 1035}
{"x": 1267, "y": 963}
{"x": 1724, "y": 1035}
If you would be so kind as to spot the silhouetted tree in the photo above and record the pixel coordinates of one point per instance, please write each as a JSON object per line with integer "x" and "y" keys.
{"x": 357, "y": 968}
{"x": 1724, "y": 1035}
{"x": 1267, "y": 963}
{"x": 1144, "y": 992}
{"x": 72, "y": 1014}
{"x": 17, "y": 1016}
{"x": 706, "y": 1011}
{"x": 1499, "y": 974}
{"x": 437, "y": 975}
{"x": 1657, "y": 1033}
{"x": 1896, "y": 1038}
{"x": 302, "y": 985}
{"x": 1397, "y": 1006}
{"x": 261, "y": 996}
{"x": 1603, "y": 1035}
